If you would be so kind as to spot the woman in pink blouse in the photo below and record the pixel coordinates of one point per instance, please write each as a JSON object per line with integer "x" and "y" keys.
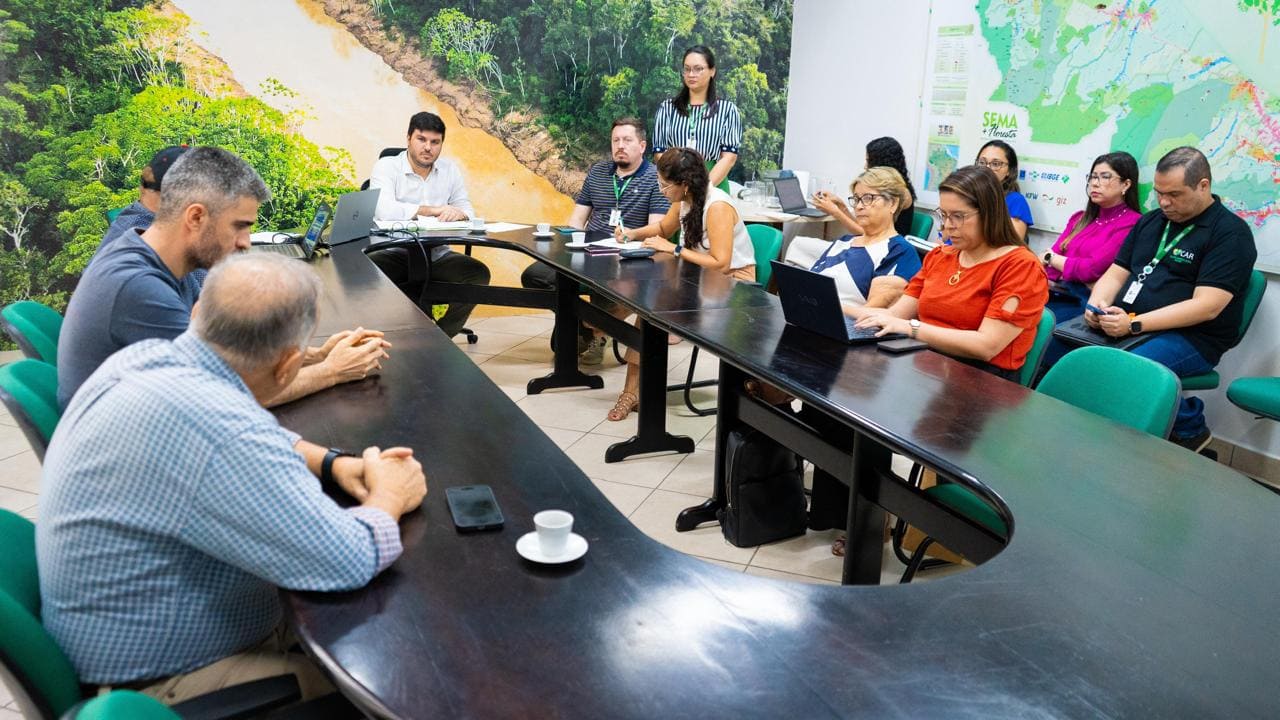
{"x": 1093, "y": 235}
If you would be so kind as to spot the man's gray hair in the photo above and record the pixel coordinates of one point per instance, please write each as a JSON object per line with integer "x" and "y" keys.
{"x": 1195, "y": 166}
{"x": 254, "y": 306}
{"x": 212, "y": 177}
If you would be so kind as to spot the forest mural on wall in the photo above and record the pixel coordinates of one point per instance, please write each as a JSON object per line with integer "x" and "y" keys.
{"x": 91, "y": 89}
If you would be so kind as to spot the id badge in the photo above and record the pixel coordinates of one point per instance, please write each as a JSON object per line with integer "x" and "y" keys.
{"x": 692, "y": 144}
{"x": 615, "y": 217}
{"x": 1131, "y": 294}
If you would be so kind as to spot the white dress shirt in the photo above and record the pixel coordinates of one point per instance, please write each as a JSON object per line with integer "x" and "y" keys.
{"x": 402, "y": 191}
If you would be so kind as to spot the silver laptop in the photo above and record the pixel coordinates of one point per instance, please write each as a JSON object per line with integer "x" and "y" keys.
{"x": 353, "y": 218}
{"x": 791, "y": 197}
{"x": 304, "y": 247}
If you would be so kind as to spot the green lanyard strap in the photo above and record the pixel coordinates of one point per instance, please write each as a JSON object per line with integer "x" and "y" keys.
{"x": 617, "y": 194}
{"x": 693, "y": 124}
{"x": 1163, "y": 249}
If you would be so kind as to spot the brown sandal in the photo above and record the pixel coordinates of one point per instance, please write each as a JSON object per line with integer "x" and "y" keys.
{"x": 627, "y": 402}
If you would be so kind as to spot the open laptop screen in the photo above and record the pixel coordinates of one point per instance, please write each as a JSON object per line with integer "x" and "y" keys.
{"x": 789, "y": 194}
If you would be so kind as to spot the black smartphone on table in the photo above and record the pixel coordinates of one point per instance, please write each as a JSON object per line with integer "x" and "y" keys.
{"x": 474, "y": 508}
{"x": 903, "y": 345}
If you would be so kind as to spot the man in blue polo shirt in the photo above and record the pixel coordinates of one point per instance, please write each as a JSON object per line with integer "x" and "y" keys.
{"x": 144, "y": 283}
{"x": 1180, "y": 276}
{"x": 623, "y": 191}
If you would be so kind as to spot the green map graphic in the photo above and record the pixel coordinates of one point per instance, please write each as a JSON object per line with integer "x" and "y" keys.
{"x": 1171, "y": 73}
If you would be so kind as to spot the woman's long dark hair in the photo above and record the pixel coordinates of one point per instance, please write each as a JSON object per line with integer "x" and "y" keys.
{"x": 1010, "y": 182}
{"x": 887, "y": 152}
{"x": 682, "y": 166}
{"x": 681, "y": 100}
{"x": 980, "y": 188}
{"x": 1126, "y": 169}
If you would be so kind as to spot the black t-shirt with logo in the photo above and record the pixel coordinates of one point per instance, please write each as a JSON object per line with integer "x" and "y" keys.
{"x": 1219, "y": 252}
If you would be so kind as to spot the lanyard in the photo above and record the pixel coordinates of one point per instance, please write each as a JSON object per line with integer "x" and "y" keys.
{"x": 693, "y": 124}
{"x": 617, "y": 194}
{"x": 1163, "y": 249}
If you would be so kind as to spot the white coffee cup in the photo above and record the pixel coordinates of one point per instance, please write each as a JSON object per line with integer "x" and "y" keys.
{"x": 553, "y": 528}
{"x": 544, "y": 228}
{"x": 477, "y": 224}
{"x": 579, "y": 237}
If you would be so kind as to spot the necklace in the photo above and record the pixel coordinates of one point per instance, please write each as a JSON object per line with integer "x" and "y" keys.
{"x": 955, "y": 278}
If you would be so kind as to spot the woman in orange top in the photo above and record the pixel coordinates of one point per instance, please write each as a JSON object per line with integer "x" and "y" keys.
{"x": 979, "y": 299}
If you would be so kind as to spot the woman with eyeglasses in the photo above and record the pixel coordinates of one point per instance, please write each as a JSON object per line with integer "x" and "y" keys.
{"x": 713, "y": 236}
{"x": 881, "y": 152}
{"x": 980, "y": 298}
{"x": 871, "y": 268}
{"x": 1093, "y": 236}
{"x": 999, "y": 157}
{"x": 696, "y": 118}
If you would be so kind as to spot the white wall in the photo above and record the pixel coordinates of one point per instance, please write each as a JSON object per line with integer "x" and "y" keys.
{"x": 857, "y": 72}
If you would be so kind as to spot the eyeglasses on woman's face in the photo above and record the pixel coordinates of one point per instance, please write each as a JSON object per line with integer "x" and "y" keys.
{"x": 955, "y": 219}
{"x": 993, "y": 164}
{"x": 1102, "y": 177}
{"x": 867, "y": 199}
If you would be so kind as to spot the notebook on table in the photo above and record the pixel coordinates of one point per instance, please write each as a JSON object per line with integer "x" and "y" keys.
{"x": 811, "y": 302}
{"x": 302, "y": 248}
{"x": 791, "y": 197}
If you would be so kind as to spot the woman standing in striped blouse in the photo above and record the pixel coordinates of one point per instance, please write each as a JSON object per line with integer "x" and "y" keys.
{"x": 695, "y": 118}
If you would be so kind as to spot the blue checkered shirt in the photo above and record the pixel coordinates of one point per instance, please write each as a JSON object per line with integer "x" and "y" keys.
{"x": 172, "y": 507}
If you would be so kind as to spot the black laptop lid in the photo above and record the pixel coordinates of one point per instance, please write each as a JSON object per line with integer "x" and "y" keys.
{"x": 810, "y": 301}
{"x": 790, "y": 196}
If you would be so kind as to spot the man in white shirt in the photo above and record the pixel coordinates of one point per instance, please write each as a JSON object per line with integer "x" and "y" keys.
{"x": 419, "y": 182}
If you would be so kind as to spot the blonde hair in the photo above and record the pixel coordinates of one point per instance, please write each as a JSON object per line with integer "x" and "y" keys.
{"x": 889, "y": 183}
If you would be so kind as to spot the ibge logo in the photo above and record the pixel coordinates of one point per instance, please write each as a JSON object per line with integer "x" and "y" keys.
{"x": 1000, "y": 125}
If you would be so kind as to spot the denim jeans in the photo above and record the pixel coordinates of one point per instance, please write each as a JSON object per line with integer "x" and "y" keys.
{"x": 1173, "y": 351}
{"x": 1064, "y": 308}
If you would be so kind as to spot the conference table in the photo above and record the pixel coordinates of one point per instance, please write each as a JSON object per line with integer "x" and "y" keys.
{"x": 1134, "y": 582}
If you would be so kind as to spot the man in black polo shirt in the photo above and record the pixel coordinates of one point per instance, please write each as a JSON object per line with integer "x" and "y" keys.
{"x": 1181, "y": 275}
{"x": 622, "y": 190}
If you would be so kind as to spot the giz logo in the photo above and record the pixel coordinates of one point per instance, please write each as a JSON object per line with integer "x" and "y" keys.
{"x": 999, "y": 125}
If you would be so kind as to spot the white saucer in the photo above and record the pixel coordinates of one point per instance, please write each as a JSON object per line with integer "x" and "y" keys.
{"x": 530, "y": 549}
{"x": 543, "y": 235}
{"x": 576, "y": 246}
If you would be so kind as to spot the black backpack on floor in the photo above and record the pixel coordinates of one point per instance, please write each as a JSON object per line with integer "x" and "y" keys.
{"x": 764, "y": 493}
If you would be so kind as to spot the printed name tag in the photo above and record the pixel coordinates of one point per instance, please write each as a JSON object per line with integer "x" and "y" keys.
{"x": 615, "y": 217}
{"x": 1131, "y": 294}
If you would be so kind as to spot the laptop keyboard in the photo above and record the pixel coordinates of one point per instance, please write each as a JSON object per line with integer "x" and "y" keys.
{"x": 282, "y": 248}
{"x": 857, "y": 333}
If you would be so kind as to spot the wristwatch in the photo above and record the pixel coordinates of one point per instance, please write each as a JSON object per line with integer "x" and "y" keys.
{"x": 677, "y": 249}
{"x": 915, "y": 327}
{"x": 326, "y": 465}
{"x": 1048, "y": 257}
{"x": 1135, "y": 327}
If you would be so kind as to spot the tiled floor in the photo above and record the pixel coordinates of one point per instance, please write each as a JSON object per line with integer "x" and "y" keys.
{"x": 648, "y": 490}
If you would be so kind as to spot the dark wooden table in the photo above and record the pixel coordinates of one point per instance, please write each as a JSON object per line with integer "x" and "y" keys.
{"x": 1136, "y": 582}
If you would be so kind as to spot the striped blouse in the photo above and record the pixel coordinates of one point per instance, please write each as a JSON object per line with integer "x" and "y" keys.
{"x": 721, "y": 132}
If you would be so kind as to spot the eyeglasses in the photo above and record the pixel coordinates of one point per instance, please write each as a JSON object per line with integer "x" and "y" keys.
{"x": 1102, "y": 177}
{"x": 957, "y": 218}
{"x": 866, "y": 199}
{"x": 662, "y": 186}
{"x": 993, "y": 164}
{"x": 694, "y": 71}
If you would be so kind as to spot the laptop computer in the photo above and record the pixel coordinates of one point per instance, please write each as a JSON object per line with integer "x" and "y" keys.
{"x": 302, "y": 248}
{"x": 811, "y": 302}
{"x": 353, "y": 218}
{"x": 1077, "y": 332}
{"x": 791, "y": 197}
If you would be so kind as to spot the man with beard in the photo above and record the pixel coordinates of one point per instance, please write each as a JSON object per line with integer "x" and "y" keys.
{"x": 621, "y": 191}
{"x": 143, "y": 284}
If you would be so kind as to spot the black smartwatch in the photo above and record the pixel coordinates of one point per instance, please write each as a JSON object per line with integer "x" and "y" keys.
{"x": 1048, "y": 257}
{"x": 326, "y": 465}
{"x": 1135, "y": 327}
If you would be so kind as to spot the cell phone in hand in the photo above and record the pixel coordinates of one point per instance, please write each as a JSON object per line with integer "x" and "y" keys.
{"x": 1094, "y": 309}
{"x": 474, "y": 508}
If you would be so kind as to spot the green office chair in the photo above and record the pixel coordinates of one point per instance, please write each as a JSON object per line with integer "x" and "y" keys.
{"x": 29, "y": 391}
{"x": 1124, "y": 387}
{"x": 1044, "y": 333}
{"x": 922, "y": 225}
{"x": 766, "y": 240}
{"x": 34, "y": 327}
{"x": 41, "y": 677}
{"x": 1252, "y": 298}
{"x": 1030, "y": 368}
{"x": 1258, "y": 395}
